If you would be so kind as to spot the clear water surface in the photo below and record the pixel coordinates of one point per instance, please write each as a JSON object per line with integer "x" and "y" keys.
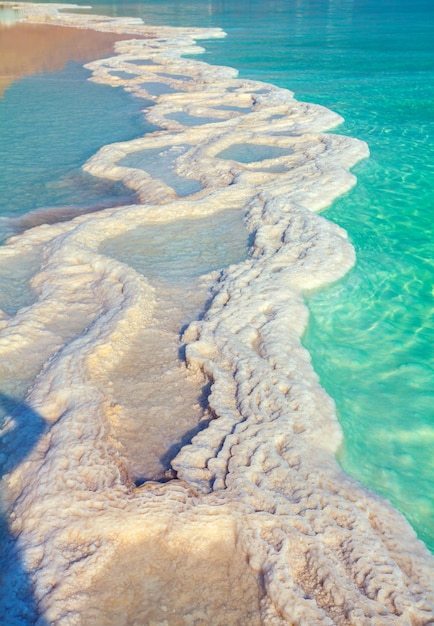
{"x": 371, "y": 334}
{"x": 50, "y": 124}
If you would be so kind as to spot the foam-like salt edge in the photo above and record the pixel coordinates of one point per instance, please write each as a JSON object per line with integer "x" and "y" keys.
{"x": 262, "y": 476}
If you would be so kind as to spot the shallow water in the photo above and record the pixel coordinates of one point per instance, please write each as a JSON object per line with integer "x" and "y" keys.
{"x": 191, "y": 120}
{"x": 251, "y": 153}
{"x": 47, "y": 173}
{"x": 184, "y": 250}
{"x": 160, "y": 164}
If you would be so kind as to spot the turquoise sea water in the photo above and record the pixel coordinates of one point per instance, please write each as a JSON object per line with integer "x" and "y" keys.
{"x": 50, "y": 124}
{"x": 371, "y": 334}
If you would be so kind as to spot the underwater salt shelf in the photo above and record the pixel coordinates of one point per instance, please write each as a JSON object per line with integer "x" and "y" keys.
{"x": 158, "y": 89}
{"x": 191, "y": 120}
{"x": 182, "y": 250}
{"x": 123, "y": 75}
{"x": 159, "y": 164}
{"x": 230, "y": 107}
{"x": 143, "y": 62}
{"x": 174, "y": 76}
{"x": 251, "y": 153}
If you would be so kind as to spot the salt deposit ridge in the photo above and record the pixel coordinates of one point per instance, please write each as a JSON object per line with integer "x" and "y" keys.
{"x": 255, "y": 523}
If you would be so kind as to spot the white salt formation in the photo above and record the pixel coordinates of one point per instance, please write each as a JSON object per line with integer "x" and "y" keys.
{"x": 256, "y": 523}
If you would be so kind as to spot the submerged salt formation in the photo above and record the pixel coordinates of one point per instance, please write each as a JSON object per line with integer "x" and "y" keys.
{"x": 257, "y": 523}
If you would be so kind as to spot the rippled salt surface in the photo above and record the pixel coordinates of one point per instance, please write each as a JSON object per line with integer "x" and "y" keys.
{"x": 257, "y": 490}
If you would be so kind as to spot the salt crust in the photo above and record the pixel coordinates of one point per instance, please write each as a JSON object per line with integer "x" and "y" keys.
{"x": 262, "y": 477}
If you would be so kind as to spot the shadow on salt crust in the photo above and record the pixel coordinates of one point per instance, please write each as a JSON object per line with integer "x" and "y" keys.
{"x": 20, "y": 430}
